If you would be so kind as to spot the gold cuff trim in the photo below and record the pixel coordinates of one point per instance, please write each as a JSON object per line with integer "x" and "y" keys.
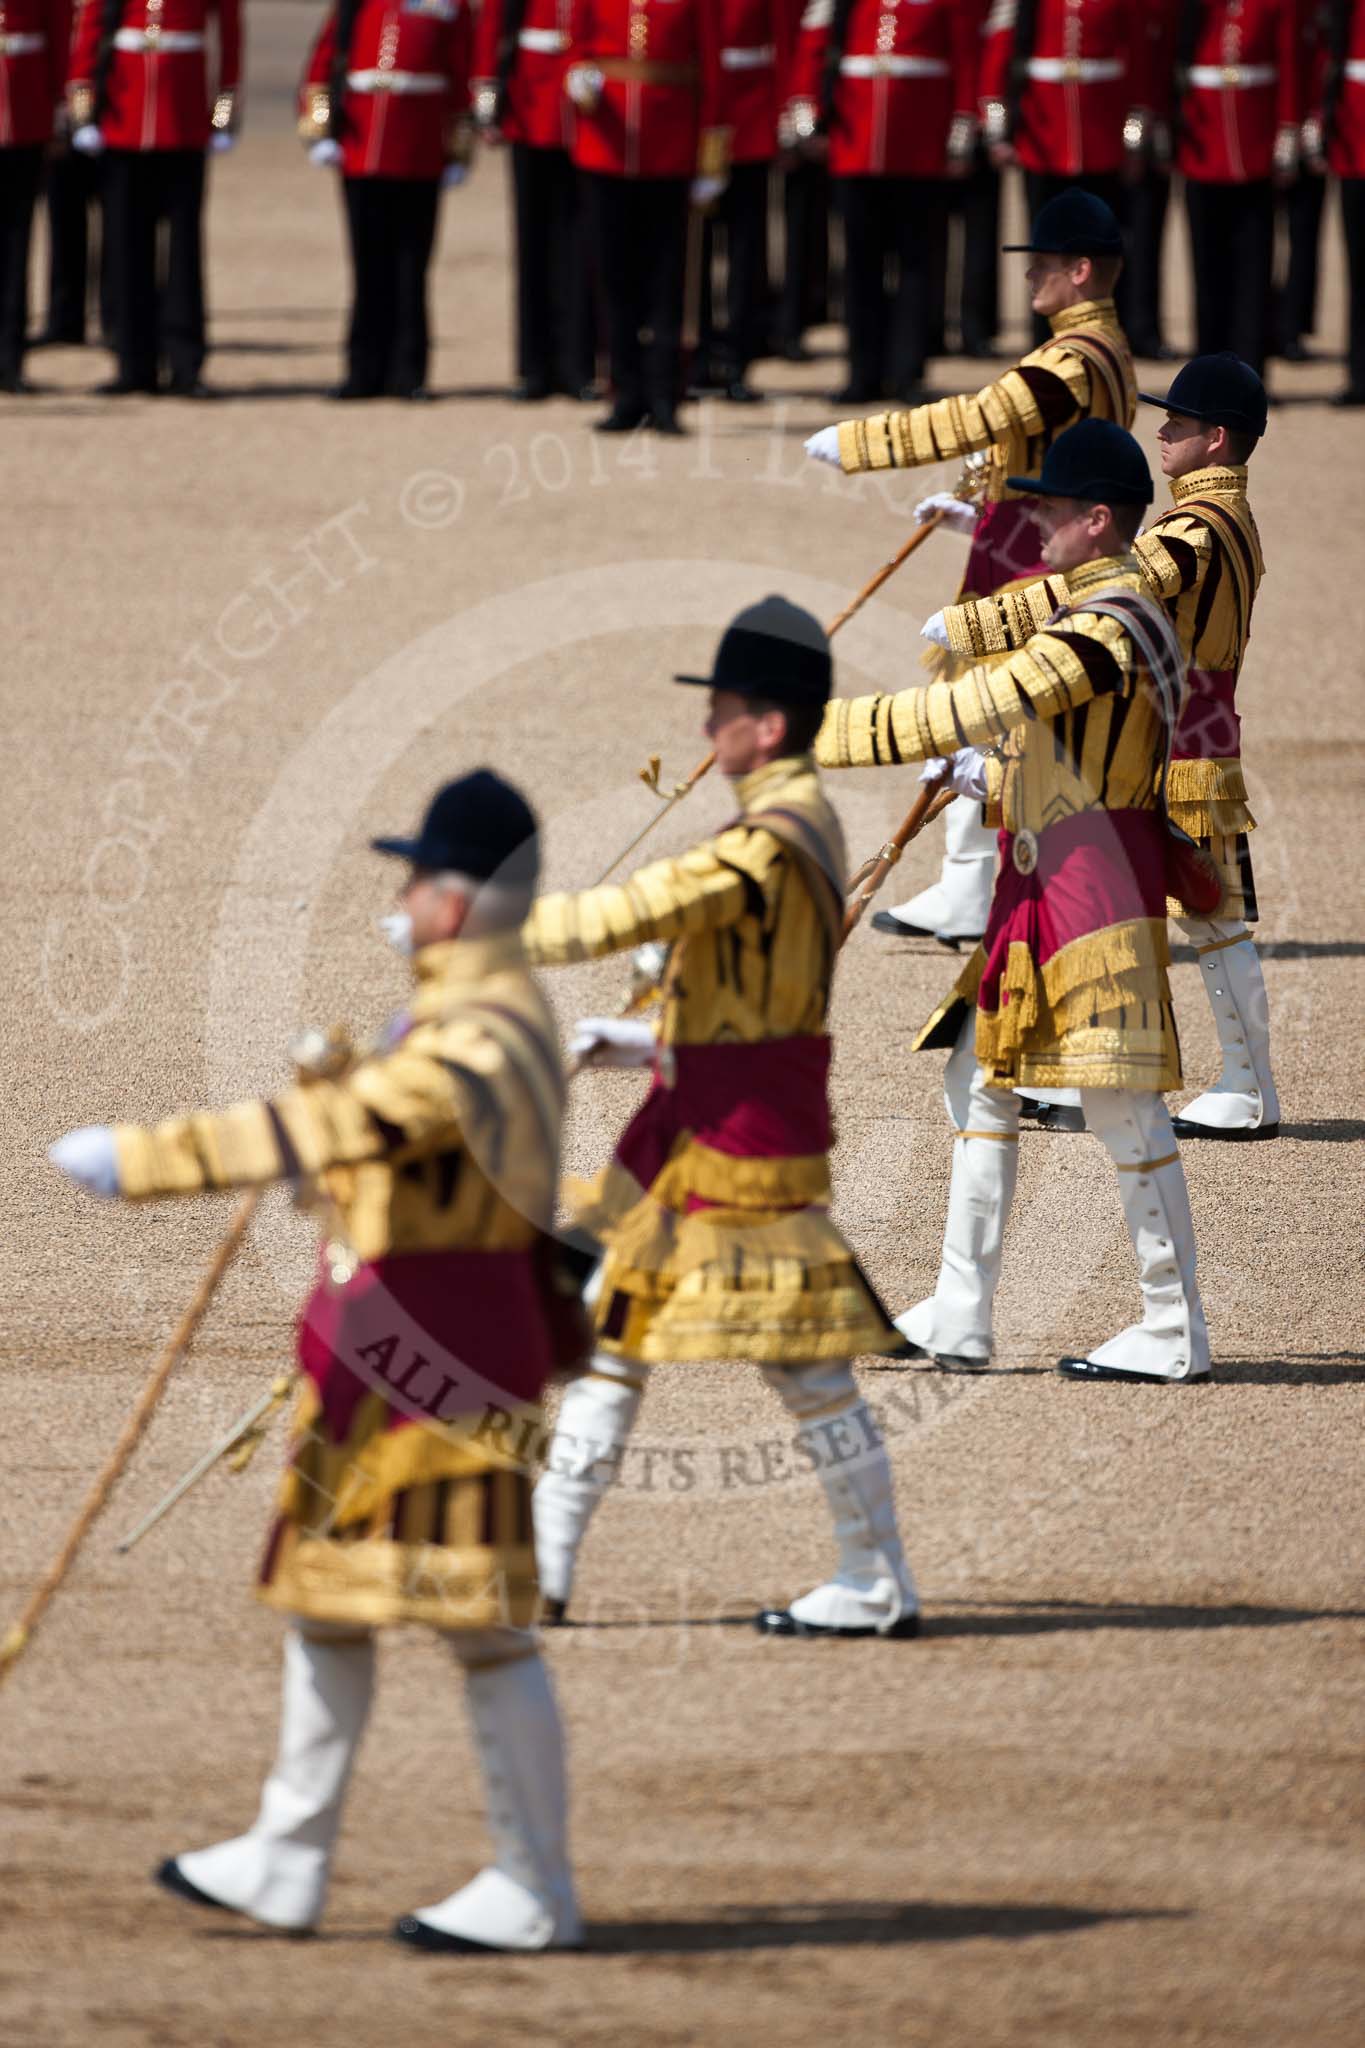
{"x": 998, "y": 1137}
{"x": 615, "y": 1379}
{"x": 1221, "y": 945}
{"x": 1151, "y": 1165}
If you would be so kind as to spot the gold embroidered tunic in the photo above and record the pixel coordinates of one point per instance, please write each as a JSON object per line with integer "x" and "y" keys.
{"x": 1202, "y": 558}
{"x": 1080, "y": 742}
{"x": 715, "y": 1209}
{"x": 433, "y": 1163}
{"x": 1084, "y": 370}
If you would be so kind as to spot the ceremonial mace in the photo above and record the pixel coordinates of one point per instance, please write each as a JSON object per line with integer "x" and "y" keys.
{"x": 18, "y": 1638}
{"x": 317, "y": 1056}
{"x": 650, "y": 775}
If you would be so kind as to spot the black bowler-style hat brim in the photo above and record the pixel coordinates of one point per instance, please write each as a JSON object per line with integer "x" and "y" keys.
{"x": 1212, "y": 415}
{"x": 1072, "y": 223}
{"x": 775, "y": 651}
{"x": 1097, "y": 462}
{"x": 478, "y": 826}
{"x": 1221, "y": 390}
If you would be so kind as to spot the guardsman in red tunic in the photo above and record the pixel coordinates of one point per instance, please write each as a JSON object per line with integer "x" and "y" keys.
{"x": 1147, "y": 197}
{"x": 33, "y": 43}
{"x": 139, "y": 94}
{"x": 386, "y": 95}
{"x": 1239, "y": 102}
{"x": 1299, "y": 207}
{"x": 521, "y": 52}
{"x": 1334, "y": 136}
{"x": 645, "y": 77}
{"x": 756, "y": 47}
{"x": 1065, "y": 93}
{"x": 892, "y": 87}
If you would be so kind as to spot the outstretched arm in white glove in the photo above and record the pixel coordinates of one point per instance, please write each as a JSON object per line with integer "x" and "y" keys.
{"x": 824, "y": 446}
{"x": 964, "y": 772}
{"x": 958, "y": 515}
{"x": 87, "y": 1156}
{"x": 612, "y": 1042}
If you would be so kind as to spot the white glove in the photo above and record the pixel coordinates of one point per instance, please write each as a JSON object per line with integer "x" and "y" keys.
{"x": 221, "y": 141}
{"x": 706, "y": 191}
{"x": 88, "y": 140}
{"x": 935, "y": 631}
{"x": 647, "y": 962}
{"x": 325, "y": 152}
{"x": 87, "y": 1156}
{"x": 969, "y": 773}
{"x": 935, "y": 769}
{"x": 958, "y": 515}
{"x": 453, "y": 175}
{"x": 612, "y": 1042}
{"x": 824, "y": 446}
{"x": 583, "y": 83}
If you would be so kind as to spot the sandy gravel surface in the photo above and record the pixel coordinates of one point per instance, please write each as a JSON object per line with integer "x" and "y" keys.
{"x": 1114, "y": 1795}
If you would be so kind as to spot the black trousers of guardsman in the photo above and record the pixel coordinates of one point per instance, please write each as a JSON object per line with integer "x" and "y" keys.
{"x": 556, "y": 331}
{"x": 392, "y": 224}
{"x": 75, "y": 200}
{"x": 804, "y": 298}
{"x": 640, "y": 228}
{"x": 1232, "y": 247}
{"x": 1147, "y": 204}
{"x": 739, "y": 220}
{"x": 1353, "y": 227}
{"x": 21, "y": 170}
{"x": 892, "y": 233}
{"x": 155, "y": 197}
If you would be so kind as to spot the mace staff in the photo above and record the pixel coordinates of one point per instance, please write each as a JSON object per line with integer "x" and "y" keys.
{"x": 177, "y": 1345}
{"x": 930, "y": 803}
{"x": 650, "y": 775}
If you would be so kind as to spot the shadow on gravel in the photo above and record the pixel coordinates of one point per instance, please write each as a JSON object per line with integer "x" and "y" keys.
{"x": 1326, "y": 1131}
{"x": 1297, "y": 1369}
{"x": 852, "y": 1924}
{"x": 834, "y": 1923}
{"x": 1038, "y": 1617}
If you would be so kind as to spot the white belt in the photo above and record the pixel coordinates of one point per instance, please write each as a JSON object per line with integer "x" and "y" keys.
{"x": 1229, "y": 77}
{"x": 1355, "y": 70}
{"x": 170, "y": 39}
{"x": 397, "y": 81}
{"x": 1075, "y": 70}
{"x": 21, "y": 45}
{"x": 549, "y": 42}
{"x": 748, "y": 60}
{"x": 894, "y": 67}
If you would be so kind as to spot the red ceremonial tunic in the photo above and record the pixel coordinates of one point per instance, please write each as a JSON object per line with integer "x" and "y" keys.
{"x": 906, "y": 70}
{"x": 661, "y": 88}
{"x": 1085, "y": 74}
{"x": 1244, "y": 84}
{"x": 157, "y": 88}
{"x": 756, "y": 39}
{"x": 1346, "y": 136}
{"x": 407, "y": 79}
{"x": 34, "y": 35}
{"x": 535, "y": 109}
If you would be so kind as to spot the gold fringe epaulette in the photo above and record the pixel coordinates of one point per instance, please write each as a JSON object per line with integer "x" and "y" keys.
{"x": 1208, "y": 799}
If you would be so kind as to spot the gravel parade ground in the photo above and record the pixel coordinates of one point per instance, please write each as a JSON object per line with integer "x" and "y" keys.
{"x": 1113, "y": 1795}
